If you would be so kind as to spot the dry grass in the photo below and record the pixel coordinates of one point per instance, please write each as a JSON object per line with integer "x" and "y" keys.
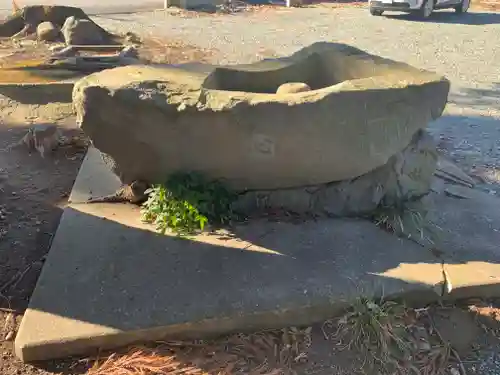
{"x": 410, "y": 220}
{"x": 388, "y": 338}
{"x": 265, "y": 353}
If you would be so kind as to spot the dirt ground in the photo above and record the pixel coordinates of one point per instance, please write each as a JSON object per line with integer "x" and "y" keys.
{"x": 33, "y": 192}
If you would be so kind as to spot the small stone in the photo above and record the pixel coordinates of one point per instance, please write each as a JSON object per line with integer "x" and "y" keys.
{"x": 9, "y": 336}
{"x": 81, "y": 32}
{"x": 129, "y": 52}
{"x": 293, "y": 88}
{"x": 424, "y": 346}
{"x": 47, "y": 32}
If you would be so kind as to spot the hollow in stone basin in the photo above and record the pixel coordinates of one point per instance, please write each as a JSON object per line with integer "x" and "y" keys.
{"x": 228, "y": 122}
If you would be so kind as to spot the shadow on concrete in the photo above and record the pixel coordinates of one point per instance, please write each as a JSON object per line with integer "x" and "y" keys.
{"x": 119, "y": 282}
{"x": 450, "y": 17}
{"x": 136, "y": 285}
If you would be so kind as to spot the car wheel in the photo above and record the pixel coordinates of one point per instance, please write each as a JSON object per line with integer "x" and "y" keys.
{"x": 376, "y": 12}
{"x": 463, "y": 6}
{"x": 426, "y": 9}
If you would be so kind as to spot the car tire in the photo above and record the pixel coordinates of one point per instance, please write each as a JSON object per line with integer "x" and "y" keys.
{"x": 463, "y": 7}
{"x": 426, "y": 9}
{"x": 376, "y": 12}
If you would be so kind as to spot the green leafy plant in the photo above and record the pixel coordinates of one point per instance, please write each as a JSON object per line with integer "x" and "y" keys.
{"x": 187, "y": 203}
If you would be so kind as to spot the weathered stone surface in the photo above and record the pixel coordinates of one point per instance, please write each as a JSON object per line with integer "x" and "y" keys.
{"x": 292, "y": 88}
{"x": 452, "y": 173}
{"x": 47, "y": 32}
{"x": 33, "y": 15}
{"x": 81, "y": 32}
{"x": 407, "y": 175}
{"x": 228, "y": 123}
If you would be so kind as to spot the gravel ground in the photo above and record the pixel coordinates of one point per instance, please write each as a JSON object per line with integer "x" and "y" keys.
{"x": 463, "y": 48}
{"x": 491, "y": 363}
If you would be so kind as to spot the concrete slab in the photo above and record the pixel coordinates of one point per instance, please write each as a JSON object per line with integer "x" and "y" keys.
{"x": 110, "y": 280}
{"x": 94, "y": 179}
{"x": 470, "y": 241}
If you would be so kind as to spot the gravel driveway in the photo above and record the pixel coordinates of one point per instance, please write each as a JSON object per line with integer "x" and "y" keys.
{"x": 463, "y": 48}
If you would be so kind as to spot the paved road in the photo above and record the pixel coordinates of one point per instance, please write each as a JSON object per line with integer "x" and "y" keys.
{"x": 464, "y": 48}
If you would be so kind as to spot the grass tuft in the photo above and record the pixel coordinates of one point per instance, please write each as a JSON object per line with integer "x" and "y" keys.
{"x": 375, "y": 329}
{"x": 391, "y": 338}
{"x": 409, "y": 220}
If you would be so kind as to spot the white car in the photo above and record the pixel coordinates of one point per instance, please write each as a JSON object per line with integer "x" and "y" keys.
{"x": 423, "y": 8}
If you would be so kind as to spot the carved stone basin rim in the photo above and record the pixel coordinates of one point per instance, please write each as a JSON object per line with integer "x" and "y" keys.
{"x": 228, "y": 122}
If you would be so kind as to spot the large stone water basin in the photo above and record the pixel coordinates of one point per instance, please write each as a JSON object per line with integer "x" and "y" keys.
{"x": 229, "y": 123}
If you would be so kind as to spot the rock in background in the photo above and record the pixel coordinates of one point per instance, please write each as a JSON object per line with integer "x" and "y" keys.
{"x": 47, "y": 32}
{"x": 26, "y": 20}
{"x": 81, "y": 32}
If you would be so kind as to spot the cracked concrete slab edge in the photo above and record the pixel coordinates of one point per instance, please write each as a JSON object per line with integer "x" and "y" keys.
{"x": 207, "y": 329}
{"x": 472, "y": 280}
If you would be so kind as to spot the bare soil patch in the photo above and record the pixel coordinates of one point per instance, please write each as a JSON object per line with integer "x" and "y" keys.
{"x": 34, "y": 191}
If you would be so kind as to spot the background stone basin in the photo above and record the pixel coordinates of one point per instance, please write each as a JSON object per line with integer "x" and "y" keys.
{"x": 228, "y": 122}
{"x": 27, "y": 82}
